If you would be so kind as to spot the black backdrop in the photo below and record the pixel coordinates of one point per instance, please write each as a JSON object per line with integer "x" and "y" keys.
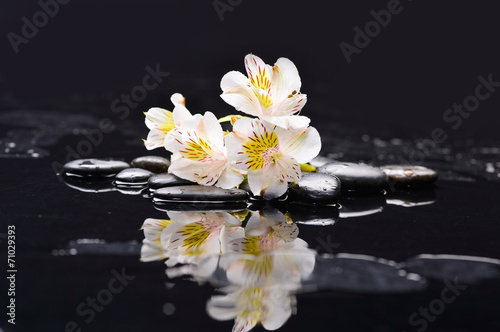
{"x": 427, "y": 58}
{"x": 400, "y": 85}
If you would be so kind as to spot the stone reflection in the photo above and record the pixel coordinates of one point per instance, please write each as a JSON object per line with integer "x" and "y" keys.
{"x": 256, "y": 258}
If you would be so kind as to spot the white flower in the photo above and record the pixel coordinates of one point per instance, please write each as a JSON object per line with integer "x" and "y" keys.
{"x": 270, "y": 154}
{"x": 160, "y": 121}
{"x": 271, "y": 93}
{"x": 198, "y": 152}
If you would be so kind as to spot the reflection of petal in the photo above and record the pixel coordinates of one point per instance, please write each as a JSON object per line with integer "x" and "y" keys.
{"x": 152, "y": 252}
{"x": 153, "y": 228}
{"x": 191, "y": 236}
{"x": 279, "y": 309}
{"x": 248, "y": 306}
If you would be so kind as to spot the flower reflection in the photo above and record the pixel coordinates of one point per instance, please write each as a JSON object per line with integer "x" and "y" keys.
{"x": 263, "y": 264}
{"x": 187, "y": 237}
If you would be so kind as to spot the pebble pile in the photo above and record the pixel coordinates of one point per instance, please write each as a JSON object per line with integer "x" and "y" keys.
{"x": 334, "y": 183}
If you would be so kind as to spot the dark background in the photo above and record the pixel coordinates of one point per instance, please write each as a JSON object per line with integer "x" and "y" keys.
{"x": 426, "y": 59}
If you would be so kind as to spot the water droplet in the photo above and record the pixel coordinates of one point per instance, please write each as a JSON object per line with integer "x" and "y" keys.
{"x": 168, "y": 308}
{"x": 11, "y": 145}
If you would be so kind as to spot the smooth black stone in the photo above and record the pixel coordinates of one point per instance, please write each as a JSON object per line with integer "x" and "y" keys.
{"x": 155, "y": 164}
{"x": 133, "y": 176}
{"x": 316, "y": 188}
{"x": 95, "y": 167}
{"x": 356, "y": 176}
{"x": 167, "y": 180}
{"x": 245, "y": 186}
{"x": 167, "y": 206}
{"x": 198, "y": 193}
{"x": 463, "y": 269}
{"x": 409, "y": 174}
{"x": 321, "y": 161}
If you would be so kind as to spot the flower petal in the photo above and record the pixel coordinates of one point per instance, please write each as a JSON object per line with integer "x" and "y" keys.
{"x": 267, "y": 183}
{"x": 177, "y": 98}
{"x": 257, "y": 147}
{"x": 159, "y": 118}
{"x": 258, "y": 72}
{"x": 292, "y": 122}
{"x": 212, "y": 130}
{"x": 179, "y": 114}
{"x": 229, "y": 178}
{"x": 155, "y": 139}
{"x": 302, "y": 145}
{"x": 290, "y": 168}
{"x": 243, "y": 100}
{"x": 233, "y": 79}
{"x": 289, "y": 106}
{"x": 285, "y": 79}
{"x": 202, "y": 173}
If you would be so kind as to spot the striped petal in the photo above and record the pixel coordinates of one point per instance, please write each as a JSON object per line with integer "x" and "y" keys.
{"x": 302, "y": 145}
{"x": 258, "y": 72}
{"x": 155, "y": 139}
{"x": 159, "y": 118}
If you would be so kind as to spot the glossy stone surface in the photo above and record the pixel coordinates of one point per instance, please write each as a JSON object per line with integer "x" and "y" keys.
{"x": 167, "y": 180}
{"x": 356, "y": 176}
{"x": 133, "y": 176}
{"x": 316, "y": 188}
{"x": 155, "y": 164}
{"x": 198, "y": 193}
{"x": 320, "y": 161}
{"x": 94, "y": 167}
{"x": 409, "y": 174}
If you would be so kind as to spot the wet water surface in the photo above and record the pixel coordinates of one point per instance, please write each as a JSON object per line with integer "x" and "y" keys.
{"x": 406, "y": 259}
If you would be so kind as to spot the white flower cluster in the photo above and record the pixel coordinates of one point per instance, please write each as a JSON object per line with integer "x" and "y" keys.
{"x": 268, "y": 148}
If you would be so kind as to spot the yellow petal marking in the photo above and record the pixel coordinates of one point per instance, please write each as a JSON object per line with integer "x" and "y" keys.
{"x": 199, "y": 151}
{"x": 264, "y": 98}
{"x": 195, "y": 234}
{"x": 261, "y": 149}
{"x": 261, "y": 79}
